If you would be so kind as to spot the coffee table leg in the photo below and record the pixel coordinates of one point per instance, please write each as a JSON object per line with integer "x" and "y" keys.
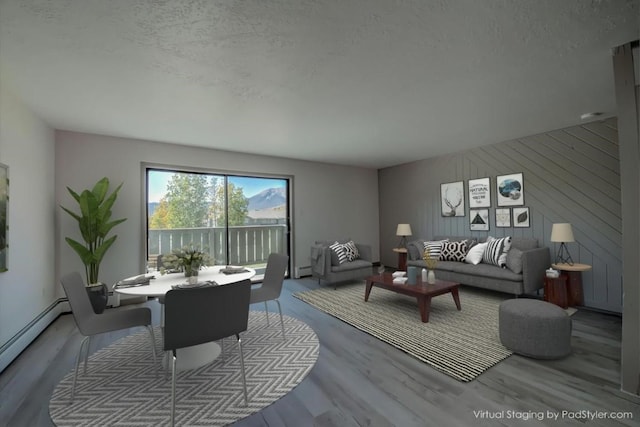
{"x": 424, "y": 303}
{"x": 456, "y": 298}
{"x": 368, "y": 290}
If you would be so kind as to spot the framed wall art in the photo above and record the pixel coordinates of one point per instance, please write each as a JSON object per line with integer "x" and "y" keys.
{"x": 521, "y": 217}
{"x": 479, "y": 219}
{"x": 452, "y": 198}
{"x": 503, "y": 217}
{"x": 510, "y": 190}
{"x": 479, "y": 193}
{"x": 4, "y": 207}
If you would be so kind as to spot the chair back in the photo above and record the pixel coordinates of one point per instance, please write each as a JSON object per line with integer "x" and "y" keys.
{"x": 274, "y": 276}
{"x": 81, "y": 307}
{"x": 199, "y": 315}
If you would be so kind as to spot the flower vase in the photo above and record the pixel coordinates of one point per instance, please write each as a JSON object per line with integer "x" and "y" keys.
{"x": 431, "y": 277}
{"x": 192, "y": 276}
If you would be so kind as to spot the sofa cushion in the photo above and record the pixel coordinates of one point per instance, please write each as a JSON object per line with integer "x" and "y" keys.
{"x": 454, "y": 251}
{"x": 486, "y": 270}
{"x": 434, "y": 248}
{"x": 514, "y": 260}
{"x": 524, "y": 243}
{"x": 415, "y": 248}
{"x": 338, "y": 253}
{"x": 351, "y": 250}
{"x": 496, "y": 251}
{"x": 474, "y": 256}
{"x": 351, "y": 265}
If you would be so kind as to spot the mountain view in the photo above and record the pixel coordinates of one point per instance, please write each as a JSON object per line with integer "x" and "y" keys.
{"x": 269, "y": 198}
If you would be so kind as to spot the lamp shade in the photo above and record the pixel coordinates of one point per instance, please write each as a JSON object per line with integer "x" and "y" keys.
{"x": 562, "y": 233}
{"x": 403, "y": 230}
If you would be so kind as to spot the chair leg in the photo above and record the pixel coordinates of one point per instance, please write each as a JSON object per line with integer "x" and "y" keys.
{"x": 75, "y": 377}
{"x": 153, "y": 349}
{"x": 281, "y": 321}
{"x": 86, "y": 354}
{"x": 266, "y": 312}
{"x": 173, "y": 389}
{"x": 244, "y": 380}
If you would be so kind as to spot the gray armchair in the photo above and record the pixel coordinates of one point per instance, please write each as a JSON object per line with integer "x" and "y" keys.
{"x": 325, "y": 267}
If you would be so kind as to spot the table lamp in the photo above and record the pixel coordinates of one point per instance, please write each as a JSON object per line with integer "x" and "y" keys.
{"x": 403, "y": 231}
{"x": 562, "y": 233}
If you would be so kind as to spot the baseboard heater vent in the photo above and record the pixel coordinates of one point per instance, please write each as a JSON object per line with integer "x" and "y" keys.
{"x": 302, "y": 271}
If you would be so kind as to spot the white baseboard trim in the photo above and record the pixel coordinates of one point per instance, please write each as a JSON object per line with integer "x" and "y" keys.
{"x": 21, "y": 340}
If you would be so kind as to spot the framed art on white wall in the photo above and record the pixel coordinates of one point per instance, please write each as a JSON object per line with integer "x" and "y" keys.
{"x": 452, "y": 198}
{"x": 479, "y": 219}
{"x": 510, "y": 190}
{"x": 521, "y": 217}
{"x": 503, "y": 217}
{"x": 479, "y": 193}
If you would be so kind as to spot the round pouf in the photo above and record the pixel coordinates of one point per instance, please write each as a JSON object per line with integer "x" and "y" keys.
{"x": 535, "y": 328}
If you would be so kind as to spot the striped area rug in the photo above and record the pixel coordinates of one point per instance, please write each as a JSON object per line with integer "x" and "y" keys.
{"x": 120, "y": 386}
{"x": 462, "y": 344}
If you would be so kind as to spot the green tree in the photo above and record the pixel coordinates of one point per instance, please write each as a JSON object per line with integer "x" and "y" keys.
{"x": 238, "y": 204}
{"x": 187, "y": 201}
{"x": 160, "y": 217}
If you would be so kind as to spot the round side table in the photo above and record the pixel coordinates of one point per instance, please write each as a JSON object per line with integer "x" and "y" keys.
{"x": 402, "y": 258}
{"x": 574, "y": 280}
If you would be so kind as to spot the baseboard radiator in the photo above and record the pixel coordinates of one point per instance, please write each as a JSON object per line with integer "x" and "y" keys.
{"x": 300, "y": 272}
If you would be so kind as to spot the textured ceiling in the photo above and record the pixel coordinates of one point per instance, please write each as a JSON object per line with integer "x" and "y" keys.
{"x": 361, "y": 82}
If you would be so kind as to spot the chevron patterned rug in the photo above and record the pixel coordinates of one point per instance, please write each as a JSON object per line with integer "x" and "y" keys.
{"x": 120, "y": 387}
{"x": 462, "y": 344}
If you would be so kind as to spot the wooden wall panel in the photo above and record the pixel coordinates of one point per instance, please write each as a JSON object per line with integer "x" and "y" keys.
{"x": 570, "y": 175}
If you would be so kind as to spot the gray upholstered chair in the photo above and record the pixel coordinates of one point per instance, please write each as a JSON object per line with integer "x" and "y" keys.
{"x": 200, "y": 315}
{"x": 272, "y": 284}
{"x": 89, "y": 323}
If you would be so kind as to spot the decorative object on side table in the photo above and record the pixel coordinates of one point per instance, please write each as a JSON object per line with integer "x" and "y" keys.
{"x": 562, "y": 233}
{"x": 94, "y": 222}
{"x": 188, "y": 259}
{"x": 431, "y": 262}
{"x": 403, "y": 230}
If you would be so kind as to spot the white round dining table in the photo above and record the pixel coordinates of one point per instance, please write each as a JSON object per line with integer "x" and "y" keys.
{"x": 159, "y": 285}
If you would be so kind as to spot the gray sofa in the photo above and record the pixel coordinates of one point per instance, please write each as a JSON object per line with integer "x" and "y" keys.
{"x": 324, "y": 268}
{"x": 528, "y": 257}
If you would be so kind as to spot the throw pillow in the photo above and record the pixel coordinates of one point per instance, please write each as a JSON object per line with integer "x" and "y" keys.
{"x": 514, "y": 260}
{"x": 496, "y": 251}
{"x": 474, "y": 256}
{"x": 337, "y": 249}
{"x": 351, "y": 250}
{"x": 434, "y": 248}
{"x": 454, "y": 251}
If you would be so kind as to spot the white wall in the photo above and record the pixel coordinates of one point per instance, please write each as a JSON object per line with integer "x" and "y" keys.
{"x": 28, "y": 288}
{"x": 330, "y": 201}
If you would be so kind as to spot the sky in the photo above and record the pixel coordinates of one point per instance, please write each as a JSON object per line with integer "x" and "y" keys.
{"x": 158, "y": 181}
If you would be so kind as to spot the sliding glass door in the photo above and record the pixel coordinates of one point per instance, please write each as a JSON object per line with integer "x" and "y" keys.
{"x": 239, "y": 220}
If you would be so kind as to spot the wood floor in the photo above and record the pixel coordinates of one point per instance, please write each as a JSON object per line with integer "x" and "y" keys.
{"x": 361, "y": 381}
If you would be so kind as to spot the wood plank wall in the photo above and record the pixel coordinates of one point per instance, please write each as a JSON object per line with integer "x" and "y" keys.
{"x": 570, "y": 175}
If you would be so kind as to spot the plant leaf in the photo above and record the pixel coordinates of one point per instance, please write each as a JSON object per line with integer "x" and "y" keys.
{"x": 85, "y": 255}
{"x": 100, "y": 189}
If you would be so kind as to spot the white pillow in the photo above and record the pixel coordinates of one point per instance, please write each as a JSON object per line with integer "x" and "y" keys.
{"x": 474, "y": 256}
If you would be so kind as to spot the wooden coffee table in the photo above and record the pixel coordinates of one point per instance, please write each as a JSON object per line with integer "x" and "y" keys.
{"x": 421, "y": 290}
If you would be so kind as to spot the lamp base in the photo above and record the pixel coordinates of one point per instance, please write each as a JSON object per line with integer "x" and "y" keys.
{"x": 403, "y": 242}
{"x": 563, "y": 256}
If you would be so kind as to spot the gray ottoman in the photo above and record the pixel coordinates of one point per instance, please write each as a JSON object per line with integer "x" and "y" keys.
{"x": 535, "y": 328}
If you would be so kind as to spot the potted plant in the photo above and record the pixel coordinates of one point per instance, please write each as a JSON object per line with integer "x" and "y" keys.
{"x": 94, "y": 222}
{"x": 189, "y": 259}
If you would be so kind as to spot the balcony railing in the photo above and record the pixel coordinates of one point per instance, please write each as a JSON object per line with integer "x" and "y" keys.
{"x": 249, "y": 245}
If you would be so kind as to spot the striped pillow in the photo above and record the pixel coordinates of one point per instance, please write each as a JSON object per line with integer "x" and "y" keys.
{"x": 496, "y": 251}
{"x": 351, "y": 250}
{"x": 434, "y": 248}
{"x": 338, "y": 249}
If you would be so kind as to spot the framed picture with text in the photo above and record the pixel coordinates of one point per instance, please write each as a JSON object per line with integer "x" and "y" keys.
{"x": 521, "y": 217}
{"x": 510, "y": 190}
{"x": 479, "y": 193}
{"x": 452, "y": 198}
{"x": 503, "y": 217}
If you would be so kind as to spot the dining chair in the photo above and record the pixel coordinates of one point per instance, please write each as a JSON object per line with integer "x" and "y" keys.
{"x": 89, "y": 323}
{"x": 272, "y": 284}
{"x": 200, "y": 315}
